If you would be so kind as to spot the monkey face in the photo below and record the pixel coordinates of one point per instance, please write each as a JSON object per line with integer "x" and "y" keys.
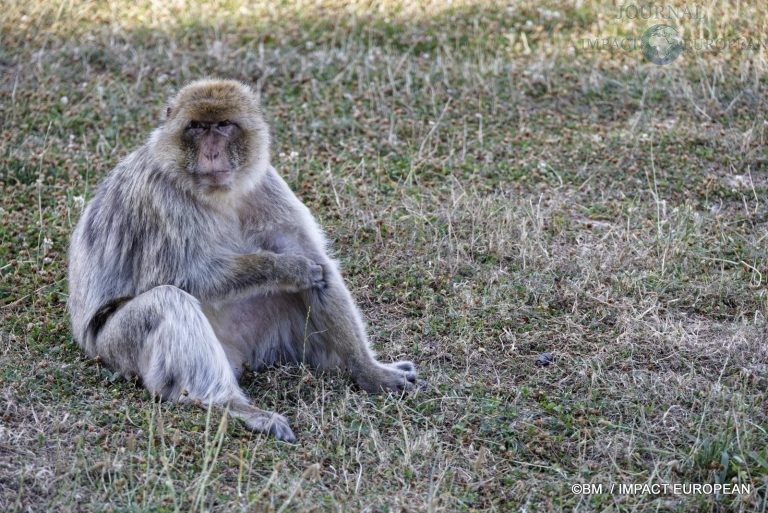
{"x": 214, "y": 151}
{"x": 214, "y": 137}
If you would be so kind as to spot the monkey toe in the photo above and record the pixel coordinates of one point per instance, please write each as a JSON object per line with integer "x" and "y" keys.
{"x": 388, "y": 377}
{"x": 405, "y": 365}
{"x": 411, "y": 381}
{"x": 282, "y": 432}
{"x": 407, "y": 370}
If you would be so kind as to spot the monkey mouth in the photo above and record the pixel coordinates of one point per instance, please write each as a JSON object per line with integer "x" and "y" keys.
{"x": 217, "y": 177}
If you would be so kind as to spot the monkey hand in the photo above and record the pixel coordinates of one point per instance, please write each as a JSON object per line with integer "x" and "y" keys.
{"x": 271, "y": 424}
{"x": 303, "y": 273}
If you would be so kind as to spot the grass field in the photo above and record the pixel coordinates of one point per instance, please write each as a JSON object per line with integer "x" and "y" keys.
{"x": 497, "y": 184}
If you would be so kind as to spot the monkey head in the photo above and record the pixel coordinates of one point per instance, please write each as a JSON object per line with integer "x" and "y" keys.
{"x": 214, "y": 137}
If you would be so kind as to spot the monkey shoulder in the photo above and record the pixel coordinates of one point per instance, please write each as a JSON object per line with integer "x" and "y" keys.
{"x": 139, "y": 230}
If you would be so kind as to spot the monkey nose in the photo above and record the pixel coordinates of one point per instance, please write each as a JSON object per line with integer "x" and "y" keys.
{"x": 212, "y": 156}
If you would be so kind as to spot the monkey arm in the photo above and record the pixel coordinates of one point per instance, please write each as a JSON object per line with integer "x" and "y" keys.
{"x": 260, "y": 272}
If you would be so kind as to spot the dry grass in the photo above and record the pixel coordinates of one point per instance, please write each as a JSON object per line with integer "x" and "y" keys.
{"x": 493, "y": 193}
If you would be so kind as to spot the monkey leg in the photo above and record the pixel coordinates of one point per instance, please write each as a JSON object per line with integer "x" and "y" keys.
{"x": 339, "y": 330}
{"x": 163, "y": 337}
{"x": 320, "y": 327}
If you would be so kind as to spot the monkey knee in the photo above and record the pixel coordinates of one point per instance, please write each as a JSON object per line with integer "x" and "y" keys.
{"x": 171, "y": 295}
{"x": 140, "y": 317}
{"x": 172, "y": 304}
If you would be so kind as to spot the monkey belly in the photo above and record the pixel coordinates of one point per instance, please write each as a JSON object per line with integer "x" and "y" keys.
{"x": 266, "y": 330}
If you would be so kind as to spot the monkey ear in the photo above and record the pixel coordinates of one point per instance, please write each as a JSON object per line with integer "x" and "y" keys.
{"x": 167, "y": 112}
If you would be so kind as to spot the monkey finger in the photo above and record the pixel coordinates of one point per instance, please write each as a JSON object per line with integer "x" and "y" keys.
{"x": 317, "y": 274}
{"x": 270, "y": 423}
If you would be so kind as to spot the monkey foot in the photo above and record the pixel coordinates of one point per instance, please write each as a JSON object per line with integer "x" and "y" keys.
{"x": 389, "y": 377}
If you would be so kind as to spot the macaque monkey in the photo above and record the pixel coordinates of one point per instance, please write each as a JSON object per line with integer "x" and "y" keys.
{"x": 194, "y": 261}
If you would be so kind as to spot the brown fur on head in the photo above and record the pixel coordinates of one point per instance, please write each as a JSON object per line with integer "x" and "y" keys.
{"x": 214, "y": 138}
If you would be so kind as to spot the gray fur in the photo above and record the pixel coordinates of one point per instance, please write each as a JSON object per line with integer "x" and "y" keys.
{"x": 184, "y": 287}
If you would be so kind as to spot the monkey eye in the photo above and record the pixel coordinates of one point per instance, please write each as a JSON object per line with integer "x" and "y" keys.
{"x": 195, "y": 125}
{"x": 222, "y": 124}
